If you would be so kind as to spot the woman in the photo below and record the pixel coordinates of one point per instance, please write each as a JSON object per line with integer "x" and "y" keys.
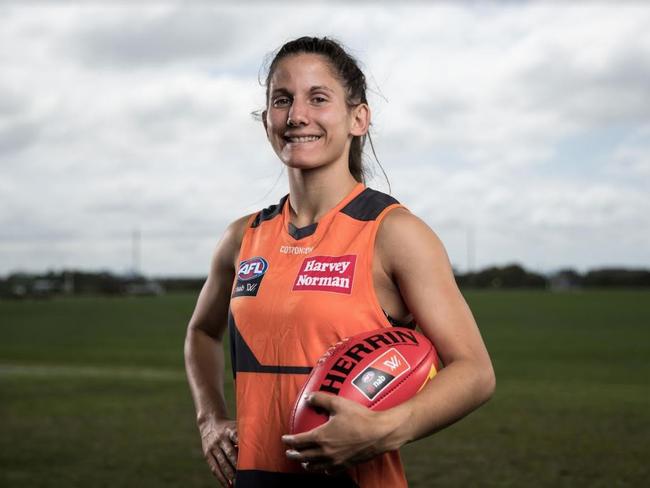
{"x": 394, "y": 271}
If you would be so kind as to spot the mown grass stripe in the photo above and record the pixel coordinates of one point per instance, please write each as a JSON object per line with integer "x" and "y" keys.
{"x": 61, "y": 371}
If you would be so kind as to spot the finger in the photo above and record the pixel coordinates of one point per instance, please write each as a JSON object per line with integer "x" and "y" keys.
{"x": 315, "y": 467}
{"x": 301, "y": 441}
{"x": 225, "y": 467}
{"x": 216, "y": 471}
{"x": 309, "y": 455}
{"x": 326, "y": 401}
{"x": 230, "y": 453}
{"x": 232, "y": 435}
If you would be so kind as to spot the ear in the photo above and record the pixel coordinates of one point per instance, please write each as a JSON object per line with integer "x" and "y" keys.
{"x": 360, "y": 120}
{"x": 266, "y": 127}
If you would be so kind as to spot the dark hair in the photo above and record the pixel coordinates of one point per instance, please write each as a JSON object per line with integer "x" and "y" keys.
{"x": 346, "y": 68}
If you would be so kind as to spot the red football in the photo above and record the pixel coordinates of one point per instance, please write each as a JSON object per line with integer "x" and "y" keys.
{"x": 379, "y": 369}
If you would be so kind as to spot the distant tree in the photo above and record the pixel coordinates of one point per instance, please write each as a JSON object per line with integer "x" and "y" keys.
{"x": 510, "y": 276}
{"x": 92, "y": 283}
{"x": 183, "y": 284}
{"x": 617, "y": 277}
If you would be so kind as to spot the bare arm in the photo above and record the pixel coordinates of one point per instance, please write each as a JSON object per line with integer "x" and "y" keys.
{"x": 417, "y": 261}
{"x": 204, "y": 357}
{"x": 414, "y": 259}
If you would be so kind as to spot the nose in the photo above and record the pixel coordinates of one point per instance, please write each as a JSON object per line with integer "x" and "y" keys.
{"x": 298, "y": 114}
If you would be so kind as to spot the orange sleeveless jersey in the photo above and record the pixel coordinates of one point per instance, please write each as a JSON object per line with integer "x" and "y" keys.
{"x": 298, "y": 291}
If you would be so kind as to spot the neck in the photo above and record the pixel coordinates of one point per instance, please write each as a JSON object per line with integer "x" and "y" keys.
{"x": 314, "y": 192}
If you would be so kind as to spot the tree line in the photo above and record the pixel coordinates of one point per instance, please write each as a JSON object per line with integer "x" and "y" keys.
{"x": 515, "y": 276}
{"x": 74, "y": 282}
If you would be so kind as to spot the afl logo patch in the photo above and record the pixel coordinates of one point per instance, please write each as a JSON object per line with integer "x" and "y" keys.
{"x": 249, "y": 277}
{"x": 252, "y": 268}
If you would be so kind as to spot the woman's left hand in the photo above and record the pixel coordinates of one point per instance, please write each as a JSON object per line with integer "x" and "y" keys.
{"x": 353, "y": 434}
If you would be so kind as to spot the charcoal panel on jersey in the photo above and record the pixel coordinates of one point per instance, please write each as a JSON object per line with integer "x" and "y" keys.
{"x": 255, "y": 479}
{"x": 231, "y": 335}
{"x": 301, "y": 232}
{"x": 269, "y": 212}
{"x": 400, "y": 323}
{"x": 368, "y": 205}
{"x": 243, "y": 359}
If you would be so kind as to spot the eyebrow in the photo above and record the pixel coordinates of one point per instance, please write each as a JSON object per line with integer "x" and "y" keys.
{"x": 284, "y": 91}
{"x": 320, "y": 87}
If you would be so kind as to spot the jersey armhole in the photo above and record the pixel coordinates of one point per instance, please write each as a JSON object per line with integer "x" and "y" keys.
{"x": 381, "y": 315}
{"x": 250, "y": 220}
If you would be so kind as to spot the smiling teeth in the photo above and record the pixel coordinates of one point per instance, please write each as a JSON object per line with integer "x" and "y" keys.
{"x": 304, "y": 139}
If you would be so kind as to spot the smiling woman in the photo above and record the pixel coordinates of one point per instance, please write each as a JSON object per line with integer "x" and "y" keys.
{"x": 331, "y": 83}
{"x": 358, "y": 261}
{"x": 308, "y": 121}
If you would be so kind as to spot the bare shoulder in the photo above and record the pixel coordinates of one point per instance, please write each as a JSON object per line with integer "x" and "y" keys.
{"x": 227, "y": 250}
{"x": 211, "y": 308}
{"x": 406, "y": 241}
{"x": 401, "y": 221}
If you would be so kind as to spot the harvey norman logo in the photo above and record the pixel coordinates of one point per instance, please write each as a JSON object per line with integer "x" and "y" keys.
{"x": 326, "y": 273}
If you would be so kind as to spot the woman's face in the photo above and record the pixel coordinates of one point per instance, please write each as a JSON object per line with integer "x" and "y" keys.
{"x": 307, "y": 119}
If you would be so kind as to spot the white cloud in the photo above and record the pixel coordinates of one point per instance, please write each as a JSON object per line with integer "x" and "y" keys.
{"x": 632, "y": 158}
{"x": 114, "y": 118}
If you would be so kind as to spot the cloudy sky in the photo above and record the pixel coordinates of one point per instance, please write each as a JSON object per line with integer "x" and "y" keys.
{"x": 523, "y": 129}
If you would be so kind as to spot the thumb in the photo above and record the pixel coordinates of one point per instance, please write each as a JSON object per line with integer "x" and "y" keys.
{"x": 326, "y": 401}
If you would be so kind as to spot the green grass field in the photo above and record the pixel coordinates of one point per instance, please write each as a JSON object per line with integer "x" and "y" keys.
{"x": 93, "y": 393}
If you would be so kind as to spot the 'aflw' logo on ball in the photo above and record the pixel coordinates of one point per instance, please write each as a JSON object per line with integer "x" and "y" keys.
{"x": 381, "y": 373}
{"x": 393, "y": 363}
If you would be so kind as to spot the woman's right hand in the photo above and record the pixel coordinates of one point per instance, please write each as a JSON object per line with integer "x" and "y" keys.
{"x": 204, "y": 356}
{"x": 220, "y": 443}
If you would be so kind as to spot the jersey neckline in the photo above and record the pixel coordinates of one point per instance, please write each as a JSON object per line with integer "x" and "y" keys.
{"x": 316, "y": 229}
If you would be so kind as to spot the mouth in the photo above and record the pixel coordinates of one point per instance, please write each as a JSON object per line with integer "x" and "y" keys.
{"x": 300, "y": 139}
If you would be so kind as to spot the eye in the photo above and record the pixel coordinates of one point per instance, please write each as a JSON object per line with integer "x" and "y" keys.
{"x": 319, "y": 99}
{"x": 281, "y": 102}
